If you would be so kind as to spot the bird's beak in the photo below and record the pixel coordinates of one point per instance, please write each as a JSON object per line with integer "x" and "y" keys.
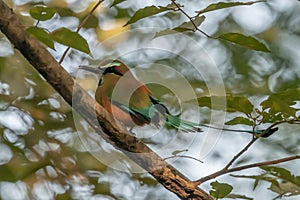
{"x": 96, "y": 70}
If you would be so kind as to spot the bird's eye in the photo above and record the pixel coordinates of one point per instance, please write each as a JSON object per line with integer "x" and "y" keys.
{"x": 113, "y": 70}
{"x": 109, "y": 70}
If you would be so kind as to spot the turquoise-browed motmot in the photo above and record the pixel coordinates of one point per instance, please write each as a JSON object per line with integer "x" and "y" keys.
{"x": 132, "y": 103}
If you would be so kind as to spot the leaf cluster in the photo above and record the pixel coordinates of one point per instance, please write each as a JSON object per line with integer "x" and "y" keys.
{"x": 277, "y": 108}
{"x": 62, "y": 35}
{"x": 281, "y": 180}
{"x": 194, "y": 22}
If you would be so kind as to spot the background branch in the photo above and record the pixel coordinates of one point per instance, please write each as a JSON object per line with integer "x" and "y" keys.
{"x": 227, "y": 168}
{"x": 254, "y": 139}
{"x": 259, "y": 164}
{"x": 92, "y": 112}
{"x": 240, "y": 153}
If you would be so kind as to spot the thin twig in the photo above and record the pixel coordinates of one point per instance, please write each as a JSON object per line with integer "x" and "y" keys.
{"x": 182, "y": 156}
{"x": 79, "y": 27}
{"x": 240, "y": 153}
{"x": 259, "y": 164}
{"x": 272, "y": 162}
{"x": 191, "y": 19}
{"x": 227, "y": 168}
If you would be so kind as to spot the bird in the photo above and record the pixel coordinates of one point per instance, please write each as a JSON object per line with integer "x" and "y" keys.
{"x": 132, "y": 103}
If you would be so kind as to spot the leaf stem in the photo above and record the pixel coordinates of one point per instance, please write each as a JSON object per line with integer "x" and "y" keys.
{"x": 191, "y": 19}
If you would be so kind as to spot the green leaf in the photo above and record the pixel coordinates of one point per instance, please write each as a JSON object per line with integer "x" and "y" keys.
{"x": 190, "y": 25}
{"x": 214, "y": 102}
{"x": 240, "y": 120}
{"x": 186, "y": 26}
{"x": 221, "y": 5}
{"x": 70, "y": 39}
{"x": 278, "y": 105}
{"x": 41, "y": 35}
{"x": 42, "y": 13}
{"x": 228, "y": 103}
{"x": 220, "y": 190}
{"x": 245, "y": 41}
{"x": 165, "y": 32}
{"x": 149, "y": 11}
{"x": 116, "y": 2}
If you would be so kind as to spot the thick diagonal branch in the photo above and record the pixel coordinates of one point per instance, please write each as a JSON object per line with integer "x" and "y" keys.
{"x": 63, "y": 83}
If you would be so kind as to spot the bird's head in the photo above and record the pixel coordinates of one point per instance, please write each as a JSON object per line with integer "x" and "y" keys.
{"x": 113, "y": 67}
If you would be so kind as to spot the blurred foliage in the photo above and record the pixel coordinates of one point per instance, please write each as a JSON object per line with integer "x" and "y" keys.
{"x": 42, "y": 149}
{"x": 282, "y": 181}
{"x": 195, "y": 21}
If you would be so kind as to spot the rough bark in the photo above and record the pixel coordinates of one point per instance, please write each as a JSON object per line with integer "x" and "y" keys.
{"x": 93, "y": 113}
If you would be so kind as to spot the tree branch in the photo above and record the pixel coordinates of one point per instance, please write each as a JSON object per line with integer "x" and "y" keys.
{"x": 259, "y": 164}
{"x": 92, "y": 112}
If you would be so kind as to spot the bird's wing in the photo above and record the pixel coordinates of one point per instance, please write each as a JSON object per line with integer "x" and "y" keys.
{"x": 152, "y": 113}
{"x": 140, "y": 114}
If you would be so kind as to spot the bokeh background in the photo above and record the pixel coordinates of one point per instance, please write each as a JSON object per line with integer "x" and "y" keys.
{"x": 48, "y": 152}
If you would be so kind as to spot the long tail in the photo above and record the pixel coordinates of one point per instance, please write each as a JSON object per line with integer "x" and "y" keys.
{"x": 187, "y": 126}
{"x": 182, "y": 125}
